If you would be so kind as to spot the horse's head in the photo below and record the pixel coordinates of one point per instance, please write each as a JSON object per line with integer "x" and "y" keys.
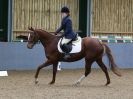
{"x": 33, "y": 38}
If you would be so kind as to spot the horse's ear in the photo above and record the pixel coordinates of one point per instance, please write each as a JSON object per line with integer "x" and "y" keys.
{"x": 31, "y": 28}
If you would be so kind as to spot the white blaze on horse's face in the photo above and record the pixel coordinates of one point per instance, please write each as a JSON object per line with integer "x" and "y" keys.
{"x": 29, "y": 37}
{"x": 30, "y": 42}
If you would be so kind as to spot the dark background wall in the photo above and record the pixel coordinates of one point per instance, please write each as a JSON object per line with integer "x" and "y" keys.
{"x": 3, "y": 19}
{"x": 83, "y": 17}
{"x": 16, "y": 56}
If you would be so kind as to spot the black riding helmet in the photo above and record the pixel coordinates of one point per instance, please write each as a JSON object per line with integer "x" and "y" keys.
{"x": 65, "y": 10}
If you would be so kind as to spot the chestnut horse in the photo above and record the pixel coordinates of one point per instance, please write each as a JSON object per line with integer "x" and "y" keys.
{"x": 92, "y": 50}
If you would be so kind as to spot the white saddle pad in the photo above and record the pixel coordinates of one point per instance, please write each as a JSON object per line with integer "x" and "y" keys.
{"x": 76, "y": 46}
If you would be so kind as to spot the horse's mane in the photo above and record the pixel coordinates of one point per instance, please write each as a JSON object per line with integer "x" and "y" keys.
{"x": 41, "y": 30}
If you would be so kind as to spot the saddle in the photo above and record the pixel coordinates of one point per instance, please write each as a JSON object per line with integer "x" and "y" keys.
{"x": 74, "y": 46}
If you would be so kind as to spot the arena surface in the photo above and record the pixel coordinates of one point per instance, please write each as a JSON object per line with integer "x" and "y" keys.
{"x": 20, "y": 85}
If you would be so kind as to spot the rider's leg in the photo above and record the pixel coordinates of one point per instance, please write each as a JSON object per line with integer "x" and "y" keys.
{"x": 65, "y": 41}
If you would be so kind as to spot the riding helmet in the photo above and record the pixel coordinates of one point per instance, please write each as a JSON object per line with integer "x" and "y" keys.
{"x": 65, "y": 10}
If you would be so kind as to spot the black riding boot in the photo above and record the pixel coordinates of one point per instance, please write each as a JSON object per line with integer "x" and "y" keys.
{"x": 66, "y": 48}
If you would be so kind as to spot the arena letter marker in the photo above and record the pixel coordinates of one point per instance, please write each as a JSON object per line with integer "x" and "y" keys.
{"x": 3, "y": 73}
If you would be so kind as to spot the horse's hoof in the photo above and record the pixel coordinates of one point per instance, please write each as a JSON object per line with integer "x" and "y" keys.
{"x": 51, "y": 83}
{"x": 77, "y": 83}
{"x": 107, "y": 83}
{"x": 36, "y": 81}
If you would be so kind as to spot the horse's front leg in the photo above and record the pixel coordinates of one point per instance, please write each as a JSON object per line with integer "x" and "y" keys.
{"x": 47, "y": 63}
{"x": 54, "y": 73}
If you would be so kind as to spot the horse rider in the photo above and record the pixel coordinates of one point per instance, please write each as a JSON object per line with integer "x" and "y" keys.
{"x": 66, "y": 26}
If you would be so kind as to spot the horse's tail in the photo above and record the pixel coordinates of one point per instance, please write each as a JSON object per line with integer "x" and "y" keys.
{"x": 112, "y": 63}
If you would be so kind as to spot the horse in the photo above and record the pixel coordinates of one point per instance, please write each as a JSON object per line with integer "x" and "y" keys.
{"x": 92, "y": 51}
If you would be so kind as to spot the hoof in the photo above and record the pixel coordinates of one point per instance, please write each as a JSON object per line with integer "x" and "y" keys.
{"x": 107, "y": 83}
{"x": 36, "y": 81}
{"x": 77, "y": 83}
{"x": 52, "y": 82}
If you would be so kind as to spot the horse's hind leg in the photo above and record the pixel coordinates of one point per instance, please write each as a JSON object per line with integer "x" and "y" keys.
{"x": 104, "y": 68}
{"x": 87, "y": 71}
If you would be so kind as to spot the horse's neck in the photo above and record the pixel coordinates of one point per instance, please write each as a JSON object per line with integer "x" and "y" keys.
{"x": 45, "y": 37}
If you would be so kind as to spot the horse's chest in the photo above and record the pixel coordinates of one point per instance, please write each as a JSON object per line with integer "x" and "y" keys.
{"x": 49, "y": 54}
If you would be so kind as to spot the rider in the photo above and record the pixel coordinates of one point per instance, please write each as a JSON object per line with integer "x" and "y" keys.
{"x": 66, "y": 26}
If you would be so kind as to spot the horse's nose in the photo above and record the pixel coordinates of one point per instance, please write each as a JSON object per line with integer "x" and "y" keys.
{"x": 29, "y": 46}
